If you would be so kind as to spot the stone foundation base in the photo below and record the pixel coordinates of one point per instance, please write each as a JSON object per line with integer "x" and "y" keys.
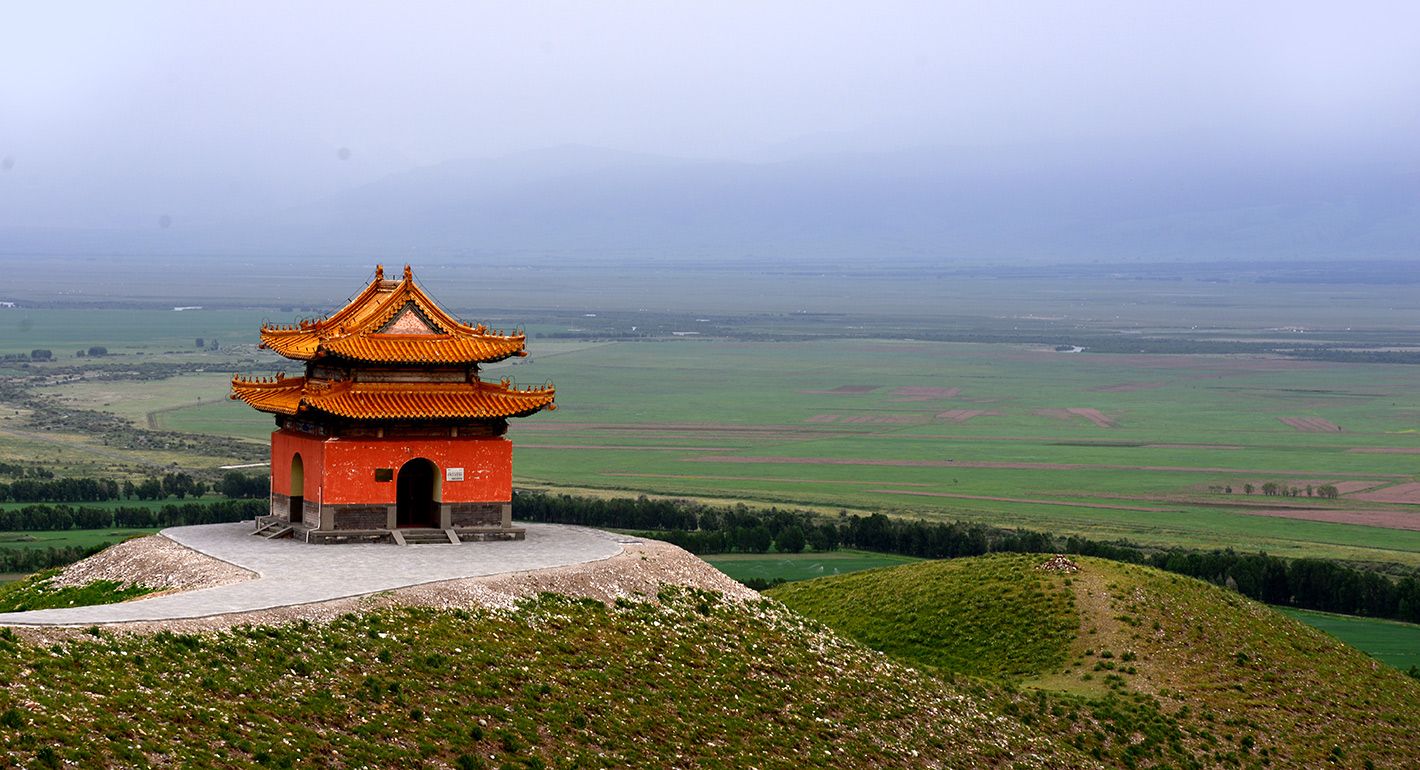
{"x": 309, "y": 534}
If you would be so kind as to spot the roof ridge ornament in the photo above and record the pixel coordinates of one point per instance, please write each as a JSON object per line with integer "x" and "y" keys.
{"x": 379, "y": 272}
{"x": 408, "y": 273}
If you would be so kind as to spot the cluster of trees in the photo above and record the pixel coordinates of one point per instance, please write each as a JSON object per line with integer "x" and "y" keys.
{"x": 241, "y": 485}
{"x": 1281, "y": 489}
{"x": 1275, "y": 489}
{"x": 56, "y": 490}
{"x": 37, "y": 518}
{"x": 37, "y": 485}
{"x": 68, "y": 490}
{"x": 1307, "y": 583}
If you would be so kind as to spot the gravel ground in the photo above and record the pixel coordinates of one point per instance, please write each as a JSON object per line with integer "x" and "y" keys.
{"x": 638, "y": 573}
{"x": 154, "y": 562}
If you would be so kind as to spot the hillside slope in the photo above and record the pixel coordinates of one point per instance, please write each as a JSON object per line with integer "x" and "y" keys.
{"x": 1155, "y": 669}
{"x": 690, "y": 681}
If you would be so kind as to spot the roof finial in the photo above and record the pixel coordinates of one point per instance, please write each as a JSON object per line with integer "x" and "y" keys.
{"x": 379, "y": 272}
{"x": 408, "y": 274}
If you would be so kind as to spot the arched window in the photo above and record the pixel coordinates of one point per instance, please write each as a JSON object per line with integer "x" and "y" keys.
{"x": 298, "y": 489}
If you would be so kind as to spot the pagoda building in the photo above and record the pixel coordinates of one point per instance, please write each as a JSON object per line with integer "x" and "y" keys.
{"x": 391, "y": 435}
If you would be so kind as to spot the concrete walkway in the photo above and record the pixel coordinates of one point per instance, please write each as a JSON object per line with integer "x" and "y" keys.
{"x": 300, "y": 573}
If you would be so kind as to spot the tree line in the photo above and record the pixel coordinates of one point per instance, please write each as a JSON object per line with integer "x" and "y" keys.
{"x": 83, "y": 490}
{"x": 1318, "y": 584}
{"x": 47, "y": 518}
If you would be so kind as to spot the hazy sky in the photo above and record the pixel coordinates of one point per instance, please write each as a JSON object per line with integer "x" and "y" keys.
{"x": 108, "y": 110}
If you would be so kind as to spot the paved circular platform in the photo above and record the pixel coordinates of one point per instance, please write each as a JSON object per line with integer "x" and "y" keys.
{"x": 292, "y": 573}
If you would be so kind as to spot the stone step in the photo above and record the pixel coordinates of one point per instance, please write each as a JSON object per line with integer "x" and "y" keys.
{"x": 424, "y": 536}
{"x": 271, "y": 532}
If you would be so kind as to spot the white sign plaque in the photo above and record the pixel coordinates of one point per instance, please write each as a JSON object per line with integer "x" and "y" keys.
{"x": 453, "y": 474}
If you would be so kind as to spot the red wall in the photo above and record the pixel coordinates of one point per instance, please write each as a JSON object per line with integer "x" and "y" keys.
{"x": 341, "y": 471}
{"x": 312, "y": 449}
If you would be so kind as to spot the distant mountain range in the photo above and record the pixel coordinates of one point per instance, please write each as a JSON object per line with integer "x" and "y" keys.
{"x": 1105, "y": 203}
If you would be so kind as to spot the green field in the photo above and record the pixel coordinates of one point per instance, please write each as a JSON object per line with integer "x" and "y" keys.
{"x": 763, "y": 422}
{"x": 1395, "y": 643}
{"x": 854, "y": 411}
{"x": 800, "y": 566}
{"x": 81, "y": 538}
{"x": 743, "y": 421}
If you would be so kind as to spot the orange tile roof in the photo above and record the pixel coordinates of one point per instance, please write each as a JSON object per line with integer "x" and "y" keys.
{"x": 393, "y": 400}
{"x": 425, "y": 348}
{"x": 362, "y": 330}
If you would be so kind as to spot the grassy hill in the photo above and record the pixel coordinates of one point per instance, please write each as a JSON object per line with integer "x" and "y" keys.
{"x": 1132, "y": 665}
{"x": 558, "y": 683}
{"x": 991, "y": 662}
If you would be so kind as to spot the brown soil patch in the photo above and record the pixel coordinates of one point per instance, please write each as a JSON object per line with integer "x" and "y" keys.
{"x": 1128, "y": 387}
{"x": 1377, "y": 518}
{"x": 1093, "y": 415}
{"x": 843, "y": 390}
{"x": 915, "y": 393}
{"x": 1387, "y": 450}
{"x": 1311, "y": 424}
{"x": 1400, "y": 493}
{"x": 963, "y": 415}
{"x": 1020, "y": 500}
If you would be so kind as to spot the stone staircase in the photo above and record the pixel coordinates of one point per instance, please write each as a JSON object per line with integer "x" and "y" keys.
{"x": 274, "y": 529}
{"x": 424, "y": 536}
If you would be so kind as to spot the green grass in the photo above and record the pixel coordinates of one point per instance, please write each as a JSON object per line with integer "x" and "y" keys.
{"x": 800, "y": 566}
{"x": 81, "y": 538}
{"x": 1391, "y": 642}
{"x": 937, "y": 613}
{"x": 38, "y": 592}
{"x": 1136, "y": 666}
{"x": 557, "y": 683}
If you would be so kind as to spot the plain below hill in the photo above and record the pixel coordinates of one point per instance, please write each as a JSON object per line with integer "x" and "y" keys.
{"x": 1133, "y": 666}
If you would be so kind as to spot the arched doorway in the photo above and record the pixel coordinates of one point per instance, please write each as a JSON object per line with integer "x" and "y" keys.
{"x": 298, "y": 489}
{"x": 417, "y": 494}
